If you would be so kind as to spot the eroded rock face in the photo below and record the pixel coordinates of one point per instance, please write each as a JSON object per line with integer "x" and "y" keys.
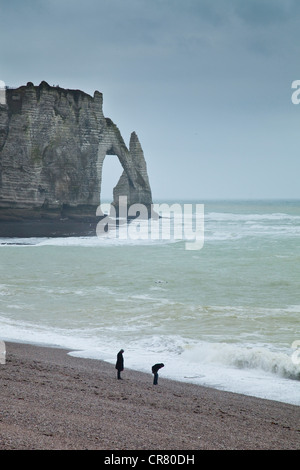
{"x": 53, "y": 142}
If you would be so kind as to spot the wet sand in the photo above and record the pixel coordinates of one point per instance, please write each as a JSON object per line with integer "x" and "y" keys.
{"x": 53, "y": 401}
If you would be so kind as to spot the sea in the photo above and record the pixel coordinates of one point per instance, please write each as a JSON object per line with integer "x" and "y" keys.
{"x": 224, "y": 314}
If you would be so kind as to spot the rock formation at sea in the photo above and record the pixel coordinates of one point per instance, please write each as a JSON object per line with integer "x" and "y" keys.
{"x": 53, "y": 143}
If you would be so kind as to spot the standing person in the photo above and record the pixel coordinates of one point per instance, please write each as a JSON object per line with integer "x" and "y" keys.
{"x": 155, "y": 370}
{"x": 120, "y": 363}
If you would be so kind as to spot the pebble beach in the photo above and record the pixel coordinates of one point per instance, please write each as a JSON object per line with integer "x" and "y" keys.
{"x": 54, "y": 401}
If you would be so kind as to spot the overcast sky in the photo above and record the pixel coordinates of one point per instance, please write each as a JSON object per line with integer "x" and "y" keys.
{"x": 206, "y": 84}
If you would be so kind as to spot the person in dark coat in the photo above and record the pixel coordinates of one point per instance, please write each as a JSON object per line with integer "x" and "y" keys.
{"x": 155, "y": 370}
{"x": 120, "y": 363}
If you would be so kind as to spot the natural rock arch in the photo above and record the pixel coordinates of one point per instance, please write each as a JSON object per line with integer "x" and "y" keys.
{"x": 53, "y": 142}
{"x": 134, "y": 182}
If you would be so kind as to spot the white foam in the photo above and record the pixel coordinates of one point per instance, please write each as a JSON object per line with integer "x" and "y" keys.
{"x": 250, "y": 370}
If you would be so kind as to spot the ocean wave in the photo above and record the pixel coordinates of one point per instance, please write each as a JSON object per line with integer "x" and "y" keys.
{"x": 93, "y": 242}
{"x": 238, "y": 217}
{"x": 242, "y": 357}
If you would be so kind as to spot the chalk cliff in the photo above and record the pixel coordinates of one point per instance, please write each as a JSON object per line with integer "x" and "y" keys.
{"x": 53, "y": 143}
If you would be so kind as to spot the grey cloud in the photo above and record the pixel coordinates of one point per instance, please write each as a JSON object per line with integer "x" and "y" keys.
{"x": 205, "y": 80}
{"x": 265, "y": 12}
